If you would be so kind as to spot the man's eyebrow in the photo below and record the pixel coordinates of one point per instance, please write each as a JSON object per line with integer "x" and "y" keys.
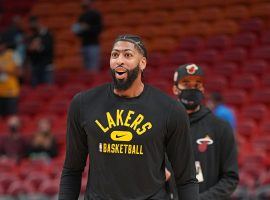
{"x": 122, "y": 50}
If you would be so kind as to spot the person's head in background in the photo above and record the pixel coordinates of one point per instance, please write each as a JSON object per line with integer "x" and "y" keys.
{"x": 214, "y": 100}
{"x": 216, "y": 104}
{"x": 44, "y": 126}
{"x": 14, "y": 125}
{"x": 127, "y": 62}
{"x": 188, "y": 86}
{"x": 34, "y": 24}
{"x": 86, "y": 5}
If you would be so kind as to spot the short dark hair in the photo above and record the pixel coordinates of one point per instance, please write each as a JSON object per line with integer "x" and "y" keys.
{"x": 33, "y": 18}
{"x": 136, "y": 40}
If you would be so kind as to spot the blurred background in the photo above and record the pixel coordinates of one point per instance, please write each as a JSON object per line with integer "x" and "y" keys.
{"x": 229, "y": 39}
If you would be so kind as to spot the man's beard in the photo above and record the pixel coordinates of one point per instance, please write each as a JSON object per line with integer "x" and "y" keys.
{"x": 124, "y": 84}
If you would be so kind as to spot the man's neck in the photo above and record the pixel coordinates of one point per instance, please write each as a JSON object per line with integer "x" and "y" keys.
{"x": 135, "y": 90}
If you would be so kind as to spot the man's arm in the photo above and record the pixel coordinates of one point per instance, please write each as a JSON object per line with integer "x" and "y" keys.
{"x": 180, "y": 154}
{"x": 229, "y": 168}
{"x": 76, "y": 154}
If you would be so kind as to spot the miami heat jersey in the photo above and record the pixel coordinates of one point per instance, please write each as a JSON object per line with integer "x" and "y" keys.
{"x": 215, "y": 155}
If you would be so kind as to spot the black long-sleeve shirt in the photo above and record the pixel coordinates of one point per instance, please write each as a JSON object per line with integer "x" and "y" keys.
{"x": 126, "y": 139}
{"x": 44, "y": 56}
{"x": 215, "y": 154}
{"x": 93, "y": 19}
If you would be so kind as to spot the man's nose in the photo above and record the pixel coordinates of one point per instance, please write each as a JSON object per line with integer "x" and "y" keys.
{"x": 192, "y": 86}
{"x": 120, "y": 60}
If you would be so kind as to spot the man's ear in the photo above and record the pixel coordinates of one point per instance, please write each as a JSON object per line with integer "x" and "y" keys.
{"x": 143, "y": 63}
{"x": 175, "y": 90}
{"x": 203, "y": 90}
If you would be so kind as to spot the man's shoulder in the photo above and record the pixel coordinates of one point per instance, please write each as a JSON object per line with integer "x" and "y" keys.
{"x": 224, "y": 110}
{"x": 164, "y": 100}
{"x": 100, "y": 89}
{"x": 218, "y": 122}
{"x": 92, "y": 93}
{"x": 212, "y": 117}
{"x": 160, "y": 95}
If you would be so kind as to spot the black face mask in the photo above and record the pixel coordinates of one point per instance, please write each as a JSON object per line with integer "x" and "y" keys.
{"x": 191, "y": 98}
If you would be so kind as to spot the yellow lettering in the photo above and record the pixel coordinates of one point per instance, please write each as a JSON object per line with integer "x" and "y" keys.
{"x": 130, "y": 112}
{"x": 108, "y": 148}
{"x": 137, "y": 149}
{"x": 133, "y": 149}
{"x": 104, "y": 147}
{"x": 119, "y": 119}
{"x": 116, "y": 148}
{"x": 129, "y": 149}
{"x": 125, "y": 145}
{"x": 137, "y": 121}
{"x": 146, "y": 126}
{"x": 112, "y": 148}
{"x": 111, "y": 123}
{"x": 102, "y": 127}
{"x": 141, "y": 151}
{"x": 121, "y": 148}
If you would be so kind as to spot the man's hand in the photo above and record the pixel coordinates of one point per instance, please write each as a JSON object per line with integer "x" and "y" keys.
{"x": 167, "y": 174}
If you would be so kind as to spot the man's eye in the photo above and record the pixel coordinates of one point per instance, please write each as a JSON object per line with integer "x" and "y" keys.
{"x": 114, "y": 55}
{"x": 128, "y": 55}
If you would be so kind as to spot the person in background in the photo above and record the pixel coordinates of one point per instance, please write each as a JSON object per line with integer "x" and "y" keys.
{"x": 88, "y": 28}
{"x": 14, "y": 36}
{"x": 126, "y": 127}
{"x": 213, "y": 140}
{"x": 13, "y": 145}
{"x": 43, "y": 143}
{"x": 9, "y": 81}
{"x": 216, "y": 104}
{"x": 40, "y": 53}
{"x": 1, "y": 17}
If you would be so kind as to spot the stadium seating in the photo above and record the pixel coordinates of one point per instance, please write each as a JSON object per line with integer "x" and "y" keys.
{"x": 216, "y": 84}
{"x": 49, "y": 187}
{"x": 247, "y": 128}
{"x": 226, "y": 69}
{"x": 262, "y": 192}
{"x": 257, "y": 112}
{"x": 246, "y": 82}
{"x": 237, "y": 55}
{"x": 230, "y": 39}
{"x": 257, "y": 67}
{"x": 237, "y": 12}
{"x": 219, "y": 42}
{"x": 246, "y": 40}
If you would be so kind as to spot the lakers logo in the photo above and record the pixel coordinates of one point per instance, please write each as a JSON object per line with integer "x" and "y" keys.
{"x": 122, "y": 118}
{"x": 125, "y": 124}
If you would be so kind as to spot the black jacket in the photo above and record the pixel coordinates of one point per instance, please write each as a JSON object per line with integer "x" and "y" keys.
{"x": 44, "y": 56}
{"x": 94, "y": 20}
{"x": 215, "y": 151}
